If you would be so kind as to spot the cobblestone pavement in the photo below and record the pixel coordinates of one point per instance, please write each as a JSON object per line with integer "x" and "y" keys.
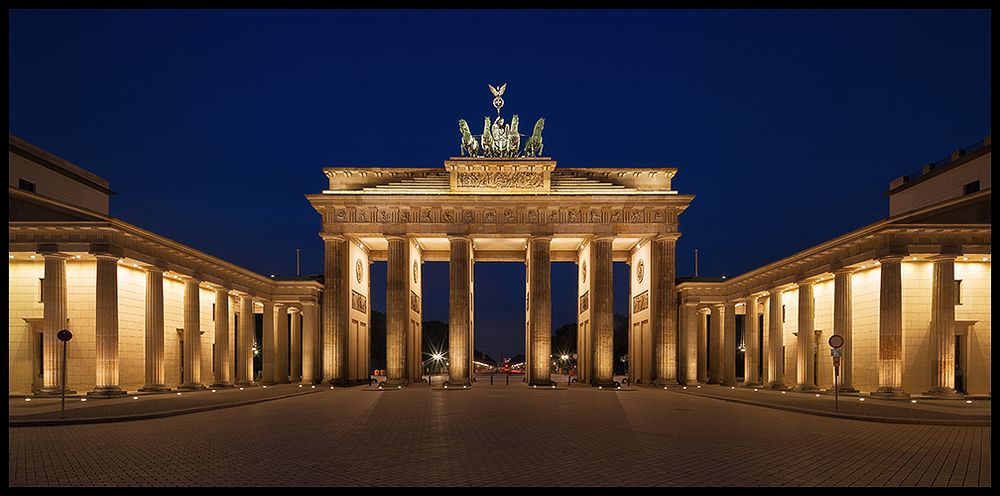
{"x": 973, "y": 409}
{"x": 140, "y": 404}
{"x": 499, "y": 436}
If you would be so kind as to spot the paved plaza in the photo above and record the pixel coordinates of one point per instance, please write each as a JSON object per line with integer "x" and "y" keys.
{"x": 498, "y": 436}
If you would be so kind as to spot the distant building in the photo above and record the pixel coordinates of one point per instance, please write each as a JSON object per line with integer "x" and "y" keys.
{"x": 147, "y": 313}
{"x": 911, "y": 295}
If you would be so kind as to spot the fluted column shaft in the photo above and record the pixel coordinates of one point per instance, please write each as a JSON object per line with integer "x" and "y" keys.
{"x": 222, "y": 365}
{"x": 540, "y": 309}
{"x": 336, "y": 309}
{"x": 54, "y": 317}
{"x": 890, "y": 332}
{"x": 106, "y": 323}
{"x": 397, "y": 310}
{"x": 702, "y": 346}
{"x": 192, "y": 335}
{"x": 663, "y": 306}
{"x": 942, "y": 335}
{"x": 715, "y": 345}
{"x": 268, "y": 346}
{"x": 687, "y": 342}
{"x": 751, "y": 341}
{"x": 312, "y": 358}
{"x": 775, "y": 361}
{"x": 843, "y": 323}
{"x": 804, "y": 354}
{"x": 281, "y": 346}
{"x": 459, "y": 311}
{"x": 295, "y": 329}
{"x": 602, "y": 311}
{"x": 729, "y": 345}
{"x": 154, "y": 366}
{"x": 244, "y": 353}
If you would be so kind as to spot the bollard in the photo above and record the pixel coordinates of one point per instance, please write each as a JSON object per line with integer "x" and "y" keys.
{"x": 491, "y": 379}
{"x": 508, "y": 379}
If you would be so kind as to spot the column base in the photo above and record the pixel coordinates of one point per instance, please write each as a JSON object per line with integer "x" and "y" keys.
{"x": 729, "y": 384}
{"x": 778, "y": 386}
{"x": 665, "y": 382}
{"x": 889, "y": 393}
{"x": 396, "y": 383}
{"x": 847, "y": 389}
{"x": 107, "y": 392}
{"x": 338, "y": 382}
{"x": 943, "y": 392}
{"x": 221, "y": 385}
{"x": 191, "y": 387}
{"x": 603, "y": 384}
{"x": 458, "y": 383}
{"x": 805, "y": 388}
{"x": 53, "y": 392}
{"x": 154, "y": 388}
{"x": 752, "y": 385}
{"x": 268, "y": 383}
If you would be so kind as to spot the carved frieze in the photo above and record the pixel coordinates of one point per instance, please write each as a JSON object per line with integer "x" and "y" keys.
{"x": 505, "y": 215}
{"x": 640, "y": 302}
{"x": 516, "y": 180}
{"x": 358, "y": 301}
{"x": 414, "y": 302}
{"x": 584, "y": 302}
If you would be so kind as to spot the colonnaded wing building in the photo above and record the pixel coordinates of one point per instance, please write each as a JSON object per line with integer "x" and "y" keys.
{"x": 911, "y": 294}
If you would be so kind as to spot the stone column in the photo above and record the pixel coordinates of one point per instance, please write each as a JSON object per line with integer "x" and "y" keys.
{"x": 540, "y": 297}
{"x": 729, "y": 345}
{"x": 751, "y": 340}
{"x": 806, "y": 337}
{"x": 890, "y": 331}
{"x": 106, "y": 323}
{"x": 222, "y": 365}
{"x": 775, "y": 342}
{"x": 397, "y": 315}
{"x": 296, "y": 342}
{"x": 687, "y": 339}
{"x": 663, "y": 309}
{"x": 267, "y": 347}
{"x": 715, "y": 345}
{"x": 843, "y": 322}
{"x": 54, "y": 319}
{"x": 336, "y": 309}
{"x": 602, "y": 311}
{"x": 192, "y": 335}
{"x": 942, "y": 335}
{"x": 312, "y": 371}
{"x": 281, "y": 346}
{"x": 702, "y": 346}
{"x": 459, "y": 311}
{"x": 155, "y": 374}
{"x": 244, "y": 336}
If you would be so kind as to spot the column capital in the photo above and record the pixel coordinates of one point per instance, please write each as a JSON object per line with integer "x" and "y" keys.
{"x": 294, "y": 309}
{"x": 667, "y": 236}
{"x": 602, "y": 237}
{"x": 105, "y": 256}
{"x": 308, "y": 303}
{"x": 540, "y": 237}
{"x": 843, "y": 270}
{"x": 891, "y": 258}
{"x": 186, "y": 279}
{"x": 55, "y": 255}
{"x": 332, "y": 237}
{"x": 396, "y": 237}
{"x": 149, "y": 268}
{"x": 943, "y": 257}
{"x": 775, "y": 291}
{"x": 804, "y": 283}
{"x": 459, "y": 237}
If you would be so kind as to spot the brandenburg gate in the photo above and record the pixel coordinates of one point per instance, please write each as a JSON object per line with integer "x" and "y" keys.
{"x": 499, "y": 202}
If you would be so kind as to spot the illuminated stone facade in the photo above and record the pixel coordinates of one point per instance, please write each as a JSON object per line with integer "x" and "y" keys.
{"x": 520, "y": 210}
{"x": 911, "y": 295}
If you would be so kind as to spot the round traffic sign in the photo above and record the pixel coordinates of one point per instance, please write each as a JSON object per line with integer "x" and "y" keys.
{"x": 64, "y": 335}
{"x": 836, "y": 341}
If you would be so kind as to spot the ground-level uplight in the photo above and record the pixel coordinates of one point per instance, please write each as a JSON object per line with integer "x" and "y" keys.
{"x": 861, "y": 399}
{"x": 178, "y": 394}
{"x": 83, "y": 399}
{"x": 241, "y": 389}
{"x": 817, "y": 395}
{"x": 135, "y": 397}
{"x": 913, "y": 401}
{"x": 310, "y": 387}
{"x": 755, "y": 390}
{"x": 27, "y": 399}
{"x": 967, "y": 401}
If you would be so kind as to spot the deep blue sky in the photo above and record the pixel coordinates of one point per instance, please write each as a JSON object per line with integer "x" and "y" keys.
{"x": 787, "y": 125}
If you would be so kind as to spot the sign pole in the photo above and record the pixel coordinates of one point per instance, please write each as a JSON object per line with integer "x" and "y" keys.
{"x": 62, "y": 409}
{"x": 64, "y": 335}
{"x": 836, "y": 390}
{"x": 836, "y": 342}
